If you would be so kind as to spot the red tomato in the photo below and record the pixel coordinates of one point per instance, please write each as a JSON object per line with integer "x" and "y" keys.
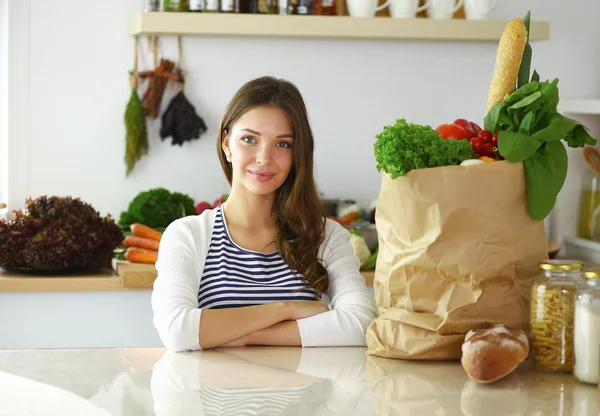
{"x": 451, "y": 132}
{"x": 494, "y": 141}
{"x": 475, "y": 127}
{"x": 466, "y": 125}
{"x": 476, "y": 144}
{"x": 488, "y": 150}
{"x": 485, "y": 135}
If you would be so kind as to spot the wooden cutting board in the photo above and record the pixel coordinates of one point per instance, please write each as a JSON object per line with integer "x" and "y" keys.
{"x": 135, "y": 275}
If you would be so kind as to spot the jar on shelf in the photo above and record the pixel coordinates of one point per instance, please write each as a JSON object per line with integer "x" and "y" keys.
{"x": 589, "y": 207}
{"x": 587, "y": 328}
{"x": 552, "y": 314}
{"x": 176, "y": 6}
{"x": 152, "y": 5}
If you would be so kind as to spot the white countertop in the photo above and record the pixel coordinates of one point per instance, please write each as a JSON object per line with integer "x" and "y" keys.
{"x": 270, "y": 381}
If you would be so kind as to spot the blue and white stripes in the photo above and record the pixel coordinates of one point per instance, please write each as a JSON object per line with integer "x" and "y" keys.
{"x": 235, "y": 277}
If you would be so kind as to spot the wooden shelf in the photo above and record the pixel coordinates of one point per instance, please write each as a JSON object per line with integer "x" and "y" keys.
{"x": 340, "y": 27}
{"x": 107, "y": 280}
{"x": 580, "y": 106}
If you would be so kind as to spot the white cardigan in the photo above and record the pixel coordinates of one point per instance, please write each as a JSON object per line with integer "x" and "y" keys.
{"x": 183, "y": 250}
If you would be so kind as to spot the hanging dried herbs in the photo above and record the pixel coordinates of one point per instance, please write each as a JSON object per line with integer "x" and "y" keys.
{"x": 136, "y": 135}
{"x": 180, "y": 121}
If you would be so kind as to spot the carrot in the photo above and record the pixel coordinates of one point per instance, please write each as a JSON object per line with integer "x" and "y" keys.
{"x": 141, "y": 230}
{"x": 141, "y": 242}
{"x": 141, "y": 255}
{"x": 349, "y": 218}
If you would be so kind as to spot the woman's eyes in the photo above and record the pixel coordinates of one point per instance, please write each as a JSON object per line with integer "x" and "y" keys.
{"x": 282, "y": 144}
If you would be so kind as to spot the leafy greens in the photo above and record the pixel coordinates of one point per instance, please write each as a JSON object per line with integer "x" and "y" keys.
{"x": 530, "y": 130}
{"x": 406, "y": 146}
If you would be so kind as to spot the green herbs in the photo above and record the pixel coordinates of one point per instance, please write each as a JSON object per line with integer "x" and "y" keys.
{"x": 530, "y": 130}
{"x": 157, "y": 208}
{"x": 405, "y": 146}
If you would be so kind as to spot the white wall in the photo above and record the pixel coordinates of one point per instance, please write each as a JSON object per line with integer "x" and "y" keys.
{"x": 3, "y": 99}
{"x": 77, "y": 83}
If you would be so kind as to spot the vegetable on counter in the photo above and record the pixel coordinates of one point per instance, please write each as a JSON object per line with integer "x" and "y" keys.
{"x": 141, "y": 255}
{"x": 143, "y": 231}
{"x": 404, "y": 146}
{"x": 371, "y": 261}
{"x": 359, "y": 246}
{"x": 156, "y": 208}
{"x": 57, "y": 233}
{"x": 201, "y": 207}
{"x": 141, "y": 242}
{"x": 220, "y": 200}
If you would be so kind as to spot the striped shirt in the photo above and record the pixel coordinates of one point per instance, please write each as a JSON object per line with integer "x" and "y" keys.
{"x": 234, "y": 277}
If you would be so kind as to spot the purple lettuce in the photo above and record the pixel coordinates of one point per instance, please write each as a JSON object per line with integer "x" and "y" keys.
{"x": 55, "y": 233}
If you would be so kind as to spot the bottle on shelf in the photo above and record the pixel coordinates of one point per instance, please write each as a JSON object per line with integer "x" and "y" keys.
{"x": 152, "y": 5}
{"x": 230, "y": 6}
{"x": 176, "y": 6}
{"x": 306, "y": 7}
{"x": 267, "y": 7}
{"x": 212, "y": 6}
{"x": 197, "y": 6}
{"x": 249, "y": 6}
{"x": 325, "y": 7}
{"x": 288, "y": 7}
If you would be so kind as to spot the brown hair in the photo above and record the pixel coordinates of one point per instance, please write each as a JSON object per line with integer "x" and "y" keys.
{"x": 297, "y": 209}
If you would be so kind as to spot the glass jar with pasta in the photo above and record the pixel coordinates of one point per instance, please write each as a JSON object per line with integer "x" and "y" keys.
{"x": 552, "y": 313}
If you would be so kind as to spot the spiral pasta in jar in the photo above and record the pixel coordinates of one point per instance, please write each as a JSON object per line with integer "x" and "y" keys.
{"x": 552, "y": 313}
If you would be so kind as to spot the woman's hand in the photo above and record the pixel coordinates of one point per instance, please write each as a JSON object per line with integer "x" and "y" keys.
{"x": 304, "y": 308}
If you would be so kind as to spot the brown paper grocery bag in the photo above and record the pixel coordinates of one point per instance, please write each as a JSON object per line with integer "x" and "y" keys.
{"x": 457, "y": 251}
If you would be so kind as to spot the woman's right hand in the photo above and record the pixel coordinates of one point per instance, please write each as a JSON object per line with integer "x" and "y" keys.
{"x": 304, "y": 308}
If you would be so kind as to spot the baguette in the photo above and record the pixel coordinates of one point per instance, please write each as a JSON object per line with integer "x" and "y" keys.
{"x": 493, "y": 353}
{"x": 508, "y": 61}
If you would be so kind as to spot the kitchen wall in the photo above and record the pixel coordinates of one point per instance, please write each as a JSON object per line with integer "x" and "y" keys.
{"x": 69, "y": 86}
{"x": 3, "y": 99}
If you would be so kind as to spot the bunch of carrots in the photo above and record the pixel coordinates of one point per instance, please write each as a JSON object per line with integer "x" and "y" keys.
{"x": 142, "y": 246}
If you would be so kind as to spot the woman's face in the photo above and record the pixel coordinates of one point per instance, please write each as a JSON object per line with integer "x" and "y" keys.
{"x": 260, "y": 146}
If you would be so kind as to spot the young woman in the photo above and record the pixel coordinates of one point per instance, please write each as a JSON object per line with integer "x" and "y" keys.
{"x": 266, "y": 267}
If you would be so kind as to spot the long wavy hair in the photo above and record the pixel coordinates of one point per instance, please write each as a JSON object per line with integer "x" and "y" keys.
{"x": 297, "y": 210}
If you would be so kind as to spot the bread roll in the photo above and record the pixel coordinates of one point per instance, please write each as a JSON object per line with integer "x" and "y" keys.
{"x": 492, "y": 353}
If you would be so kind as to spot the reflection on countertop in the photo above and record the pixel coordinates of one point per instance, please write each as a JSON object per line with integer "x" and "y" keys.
{"x": 271, "y": 381}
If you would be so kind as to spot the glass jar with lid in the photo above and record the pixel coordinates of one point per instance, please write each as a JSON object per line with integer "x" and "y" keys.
{"x": 587, "y": 328}
{"x": 552, "y": 314}
{"x": 589, "y": 205}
